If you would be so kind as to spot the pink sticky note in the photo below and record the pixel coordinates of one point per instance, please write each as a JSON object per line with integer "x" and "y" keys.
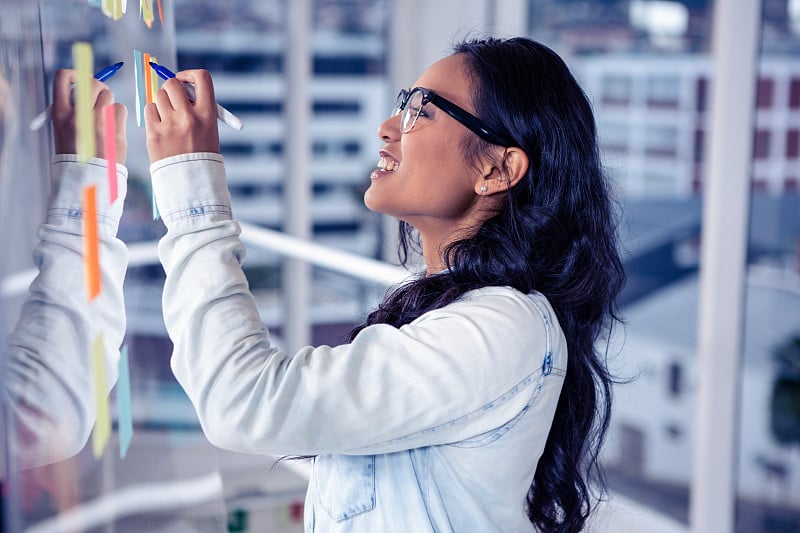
{"x": 110, "y": 126}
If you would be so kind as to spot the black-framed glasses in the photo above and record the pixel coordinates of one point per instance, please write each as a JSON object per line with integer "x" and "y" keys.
{"x": 410, "y": 103}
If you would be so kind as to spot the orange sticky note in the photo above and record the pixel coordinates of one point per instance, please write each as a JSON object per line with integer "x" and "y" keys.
{"x": 110, "y": 126}
{"x": 91, "y": 248}
{"x": 102, "y": 422}
{"x": 160, "y": 13}
{"x": 148, "y": 82}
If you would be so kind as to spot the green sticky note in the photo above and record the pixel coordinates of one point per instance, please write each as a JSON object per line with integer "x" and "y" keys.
{"x": 102, "y": 423}
{"x": 83, "y": 61}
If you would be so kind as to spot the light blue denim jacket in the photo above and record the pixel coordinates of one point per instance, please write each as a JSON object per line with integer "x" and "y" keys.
{"x": 434, "y": 426}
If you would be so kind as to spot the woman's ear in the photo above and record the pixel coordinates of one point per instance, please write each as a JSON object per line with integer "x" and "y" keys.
{"x": 514, "y": 166}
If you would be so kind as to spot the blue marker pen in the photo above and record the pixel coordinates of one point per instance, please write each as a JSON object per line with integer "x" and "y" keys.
{"x": 101, "y": 75}
{"x": 223, "y": 114}
{"x": 104, "y": 74}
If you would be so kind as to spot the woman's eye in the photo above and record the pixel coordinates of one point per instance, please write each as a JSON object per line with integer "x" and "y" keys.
{"x": 421, "y": 112}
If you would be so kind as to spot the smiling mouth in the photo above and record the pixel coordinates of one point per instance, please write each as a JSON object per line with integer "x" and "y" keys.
{"x": 389, "y": 164}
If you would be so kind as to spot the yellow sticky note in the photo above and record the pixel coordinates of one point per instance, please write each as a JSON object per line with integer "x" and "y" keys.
{"x": 83, "y": 61}
{"x": 146, "y": 7}
{"x": 153, "y": 78}
{"x": 112, "y": 9}
{"x": 102, "y": 423}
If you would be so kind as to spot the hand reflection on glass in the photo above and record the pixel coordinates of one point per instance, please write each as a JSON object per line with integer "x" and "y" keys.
{"x": 48, "y": 393}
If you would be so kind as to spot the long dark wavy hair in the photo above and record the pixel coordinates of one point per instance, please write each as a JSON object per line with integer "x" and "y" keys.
{"x": 555, "y": 234}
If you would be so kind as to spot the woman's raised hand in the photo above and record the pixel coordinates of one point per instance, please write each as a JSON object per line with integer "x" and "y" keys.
{"x": 175, "y": 124}
{"x": 63, "y": 116}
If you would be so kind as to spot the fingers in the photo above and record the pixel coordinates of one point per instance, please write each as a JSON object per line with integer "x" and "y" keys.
{"x": 62, "y": 91}
{"x": 178, "y": 124}
{"x": 174, "y": 92}
{"x": 120, "y": 120}
{"x": 63, "y": 87}
{"x": 205, "y": 101}
{"x": 103, "y": 98}
{"x": 120, "y": 135}
{"x": 151, "y": 116}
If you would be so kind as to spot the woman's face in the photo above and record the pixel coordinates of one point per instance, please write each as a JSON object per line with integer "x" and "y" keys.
{"x": 422, "y": 177}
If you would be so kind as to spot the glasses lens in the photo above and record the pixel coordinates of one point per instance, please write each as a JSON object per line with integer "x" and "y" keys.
{"x": 398, "y": 103}
{"x": 412, "y": 110}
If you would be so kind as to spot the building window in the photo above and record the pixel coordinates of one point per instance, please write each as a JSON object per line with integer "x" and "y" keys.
{"x": 675, "y": 376}
{"x": 332, "y": 107}
{"x": 761, "y": 144}
{"x": 660, "y": 141}
{"x": 697, "y": 178}
{"x": 614, "y": 137}
{"x": 663, "y": 91}
{"x": 701, "y": 94}
{"x": 759, "y": 186}
{"x": 658, "y": 184}
{"x": 699, "y": 145}
{"x": 241, "y": 62}
{"x": 616, "y": 89}
{"x": 792, "y": 144}
{"x": 265, "y": 107}
{"x": 794, "y": 93}
{"x": 764, "y": 92}
{"x": 341, "y": 65}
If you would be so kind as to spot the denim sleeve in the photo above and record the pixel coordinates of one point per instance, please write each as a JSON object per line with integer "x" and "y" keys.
{"x": 48, "y": 390}
{"x": 452, "y": 374}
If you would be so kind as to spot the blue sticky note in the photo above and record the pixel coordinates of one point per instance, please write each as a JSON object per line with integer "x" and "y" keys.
{"x": 96, "y": 3}
{"x": 141, "y": 91}
{"x": 124, "y": 416}
{"x": 156, "y": 214}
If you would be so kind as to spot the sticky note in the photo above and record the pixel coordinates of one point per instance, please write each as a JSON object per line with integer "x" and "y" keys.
{"x": 83, "y": 61}
{"x": 148, "y": 78}
{"x": 91, "y": 257}
{"x": 112, "y": 9}
{"x": 156, "y": 215}
{"x": 102, "y": 423}
{"x": 95, "y": 3}
{"x": 153, "y": 77}
{"x": 124, "y": 416}
{"x": 160, "y": 13}
{"x": 110, "y": 127}
{"x": 146, "y": 8}
{"x": 141, "y": 96}
{"x": 124, "y": 5}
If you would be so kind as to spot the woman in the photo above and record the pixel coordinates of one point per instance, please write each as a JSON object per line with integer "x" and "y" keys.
{"x": 473, "y": 398}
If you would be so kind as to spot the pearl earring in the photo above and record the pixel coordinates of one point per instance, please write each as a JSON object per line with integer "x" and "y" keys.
{"x": 484, "y": 188}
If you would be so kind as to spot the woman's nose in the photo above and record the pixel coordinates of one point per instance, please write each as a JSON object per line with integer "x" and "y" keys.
{"x": 389, "y": 130}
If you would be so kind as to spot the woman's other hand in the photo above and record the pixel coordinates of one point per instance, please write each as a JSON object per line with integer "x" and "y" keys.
{"x": 63, "y": 116}
{"x": 176, "y": 125}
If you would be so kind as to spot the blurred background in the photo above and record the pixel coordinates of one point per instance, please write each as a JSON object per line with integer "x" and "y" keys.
{"x": 311, "y": 81}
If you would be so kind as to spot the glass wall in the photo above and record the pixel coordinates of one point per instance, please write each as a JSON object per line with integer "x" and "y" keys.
{"x": 646, "y": 67}
{"x": 169, "y": 478}
{"x": 769, "y": 438}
